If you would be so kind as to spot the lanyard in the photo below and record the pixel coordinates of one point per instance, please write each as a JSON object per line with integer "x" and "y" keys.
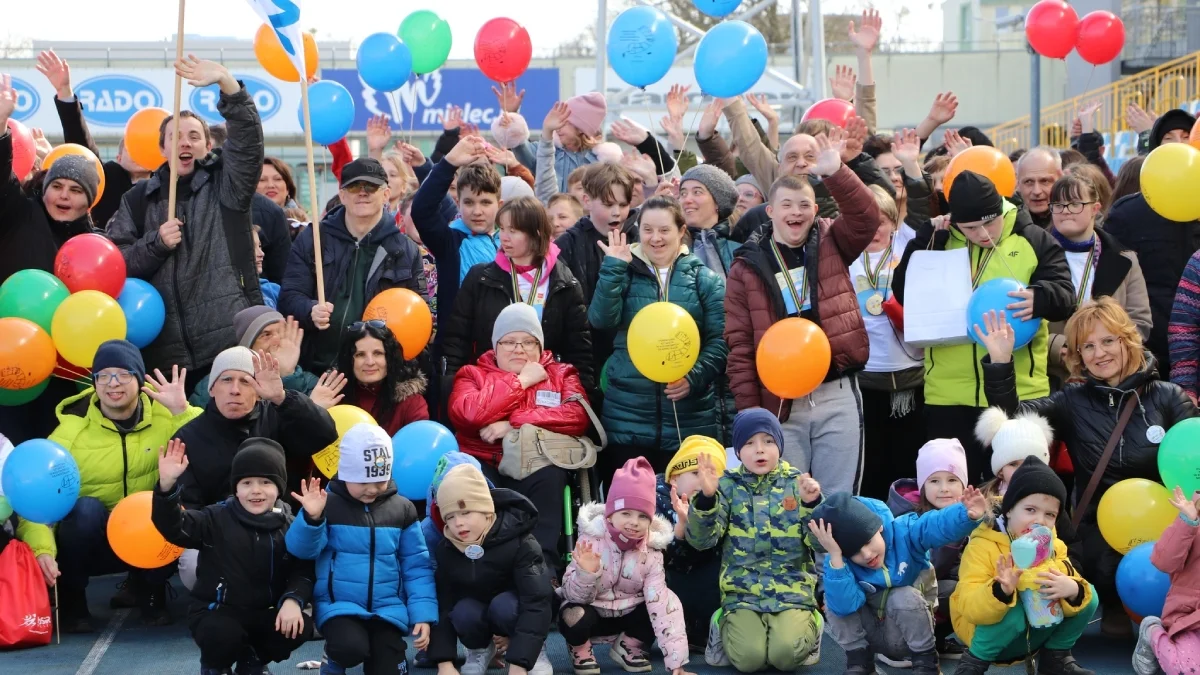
{"x": 984, "y": 258}
{"x": 873, "y": 275}
{"x": 664, "y": 289}
{"x": 797, "y": 296}
{"x": 1086, "y": 276}
{"x": 537, "y": 279}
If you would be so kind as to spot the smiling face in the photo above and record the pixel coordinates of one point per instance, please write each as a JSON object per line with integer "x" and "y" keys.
{"x": 118, "y": 400}
{"x": 748, "y": 197}
{"x": 699, "y": 207}
{"x": 478, "y": 209}
{"x": 608, "y": 211}
{"x": 257, "y": 495}
{"x": 872, "y": 554}
{"x": 1036, "y": 509}
{"x": 366, "y": 493}
{"x": 760, "y": 454}
{"x": 942, "y": 489}
{"x": 272, "y": 186}
{"x": 370, "y": 361}
{"x": 660, "y": 236}
{"x": 234, "y": 394}
{"x": 1104, "y": 355}
{"x": 468, "y": 525}
{"x": 65, "y": 200}
{"x": 364, "y": 201}
{"x": 792, "y": 212}
{"x": 798, "y": 155}
{"x": 633, "y": 524}
{"x": 194, "y": 143}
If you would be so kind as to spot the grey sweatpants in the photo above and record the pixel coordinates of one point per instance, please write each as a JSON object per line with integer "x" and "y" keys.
{"x": 824, "y": 435}
{"x": 906, "y": 627}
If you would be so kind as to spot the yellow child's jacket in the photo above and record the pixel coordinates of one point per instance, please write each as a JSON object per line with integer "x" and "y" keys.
{"x": 973, "y": 602}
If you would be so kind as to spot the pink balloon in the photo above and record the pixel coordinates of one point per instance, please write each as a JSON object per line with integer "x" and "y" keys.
{"x": 24, "y": 149}
{"x": 834, "y": 110}
{"x": 1050, "y": 28}
{"x": 1100, "y": 37}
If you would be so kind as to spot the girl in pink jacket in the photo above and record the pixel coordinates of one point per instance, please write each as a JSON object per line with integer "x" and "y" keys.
{"x": 1172, "y": 643}
{"x": 615, "y": 584}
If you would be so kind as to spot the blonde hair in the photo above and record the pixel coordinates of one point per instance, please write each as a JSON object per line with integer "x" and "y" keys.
{"x": 1106, "y": 312}
{"x": 397, "y": 160}
{"x": 887, "y": 205}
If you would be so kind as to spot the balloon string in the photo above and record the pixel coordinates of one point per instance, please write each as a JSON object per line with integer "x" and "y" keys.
{"x": 72, "y": 379}
{"x": 82, "y": 374}
{"x": 779, "y": 413}
{"x": 687, "y": 134}
{"x": 657, "y": 145}
{"x": 678, "y": 431}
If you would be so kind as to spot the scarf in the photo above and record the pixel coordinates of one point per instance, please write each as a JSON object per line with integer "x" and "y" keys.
{"x": 461, "y": 544}
{"x": 624, "y": 543}
{"x": 1073, "y": 246}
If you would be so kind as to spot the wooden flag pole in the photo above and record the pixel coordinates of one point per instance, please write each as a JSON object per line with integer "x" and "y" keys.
{"x": 314, "y": 213}
{"x": 174, "y": 158}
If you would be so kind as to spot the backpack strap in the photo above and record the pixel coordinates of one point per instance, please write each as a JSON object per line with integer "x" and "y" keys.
{"x": 1105, "y": 456}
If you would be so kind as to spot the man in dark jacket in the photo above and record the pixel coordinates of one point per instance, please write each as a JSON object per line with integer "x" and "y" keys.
{"x": 1036, "y": 172}
{"x": 363, "y": 252}
{"x": 200, "y": 258}
{"x": 1163, "y": 246}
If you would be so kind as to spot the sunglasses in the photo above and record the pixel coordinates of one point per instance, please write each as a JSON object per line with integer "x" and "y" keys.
{"x": 360, "y": 326}
{"x": 369, "y": 188}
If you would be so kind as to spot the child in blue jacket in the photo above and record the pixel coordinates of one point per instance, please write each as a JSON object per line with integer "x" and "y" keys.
{"x": 374, "y": 580}
{"x": 873, "y": 560}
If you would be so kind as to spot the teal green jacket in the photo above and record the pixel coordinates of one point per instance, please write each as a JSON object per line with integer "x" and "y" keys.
{"x": 636, "y": 410}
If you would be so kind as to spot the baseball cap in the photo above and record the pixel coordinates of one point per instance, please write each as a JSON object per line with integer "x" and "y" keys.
{"x": 364, "y": 170}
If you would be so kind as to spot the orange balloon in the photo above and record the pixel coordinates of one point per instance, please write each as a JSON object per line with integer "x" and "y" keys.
{"x": 1194, "y": 136}
{"x": 133, "y": 536}
{"x": 141, "y": 137}
{"x": 793, "y": 358}
{"x": 985, "y": 161}
{"x": 406, "y": 314}
{"x": 27, "y": 354}
{"x": 276, "y": 61}
{"x": 76, "y": 149}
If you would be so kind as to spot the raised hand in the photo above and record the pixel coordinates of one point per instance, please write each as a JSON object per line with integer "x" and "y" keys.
{"x": 681, "y": 505}
{"x": 906, "y": 146}
{"x": 674, "y": 129}
{"x": 289, "y": 622}
{"x": 8, "y": 101}
{"x": 945, "y": 105}
{"x": 996, "y": 336}
{"x": 867, "y": 33}
{"x": 617, "y": 246}
{"x": 585, "y": 557}
{"x": 379, "y": 132}
{"x": 328, "y": 391}
{"x": 172, "y": 393}
{"x": 1087, "y": 117}
{"x": 452, "y": 118}
{"x": 172, "y": 462}
{"x": 709, "y": 478}
{"x": 267, "y": 382}
{"x": 955, "y": 143}
{"x": 843, "y": 83}
{"x": 467, "y": 151}
{"x": 1007, "y": 574}
{"x": 640, "y": 164}
{"x": 501, "y": 156}
{"x": 40, "y": 143}
{"x": 667, "y": 188}
{"x": 628, "y": 131}
{"x": 763, "y": 105}
{"x": 856, "y": 135}
{"x": 830, "y": 150}
{"x": 677, "y": 101}
{"x": 809, "y": 488}
{"x": 201, "y": 73}
{"x": 1138, "y": 119}
{"x": 288, "y": 353}
{"x": 1188, "y": 508}
{"x": 311, "y": 498}
{"x": 57, "y": 72}
{"x": 709, "y": 119}
{"x": 823, "y": 531}
{"x": 508, "y": 97}
{"x": 975, "y": 501}
{"x": 555, "y": 120}
{"x": 411, "y": 153}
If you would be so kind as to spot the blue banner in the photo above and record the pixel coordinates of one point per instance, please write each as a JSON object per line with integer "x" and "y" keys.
{"x": 422, "y": 101}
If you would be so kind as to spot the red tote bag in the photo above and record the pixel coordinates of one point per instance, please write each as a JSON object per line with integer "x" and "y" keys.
{"x": 24, "y": 601}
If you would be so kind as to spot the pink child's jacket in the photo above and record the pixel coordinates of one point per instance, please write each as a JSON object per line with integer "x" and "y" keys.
{"x": 627, "y": 579}
{"x": 1177, "y": 553}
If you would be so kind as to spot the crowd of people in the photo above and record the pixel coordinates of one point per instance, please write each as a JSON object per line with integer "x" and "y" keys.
{"x": 535, "y": 256}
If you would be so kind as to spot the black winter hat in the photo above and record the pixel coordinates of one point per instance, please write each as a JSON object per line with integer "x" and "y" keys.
{"x": 974, "y": 198}
{"x": 974, "y": 135}
{"x": 120, "y": 354}
{"x": 1033, "y": 477}
{"x": 854, "y": 523}
{"x": 1170, "y": 121}
{"x": 259, "y": 458}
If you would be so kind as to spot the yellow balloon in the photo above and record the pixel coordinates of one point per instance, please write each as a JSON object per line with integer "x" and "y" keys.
{"x": 1133, "y": 512}
{"x": 1169, "y": 178}
{"x": 344, "y": 417}
{"x": 83, "y": 322}
{"x": 663, "y": 342}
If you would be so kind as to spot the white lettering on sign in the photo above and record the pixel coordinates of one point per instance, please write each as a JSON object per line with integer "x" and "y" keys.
{"x": 116, "y": 101}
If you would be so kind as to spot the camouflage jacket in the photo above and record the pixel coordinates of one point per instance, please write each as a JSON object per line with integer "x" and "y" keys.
{"x": 766, "y": 558}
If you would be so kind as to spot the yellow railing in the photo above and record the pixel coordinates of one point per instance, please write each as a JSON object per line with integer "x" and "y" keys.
{"x": 1159, "y": 89}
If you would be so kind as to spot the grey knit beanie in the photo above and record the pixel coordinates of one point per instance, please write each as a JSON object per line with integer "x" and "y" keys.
{"x": 517, "y": 318}
{"x": 75, "y": 168}
{"x": 719, "y": 185}
{"x": 749, "y": 180}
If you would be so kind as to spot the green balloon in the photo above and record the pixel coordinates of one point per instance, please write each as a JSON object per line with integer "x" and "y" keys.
{"x": 5, "y": 508}
{"x": 33, "y": 295}
{"x": 428, "y": 37}
{"x": 23, "y": 396}
{"x": 1179, "y": 457}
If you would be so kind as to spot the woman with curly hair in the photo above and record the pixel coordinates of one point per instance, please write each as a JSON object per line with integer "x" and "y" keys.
{"x": 381, "y": 381}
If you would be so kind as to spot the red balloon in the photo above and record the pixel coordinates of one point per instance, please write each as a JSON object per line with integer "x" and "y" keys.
{"x": 1100, "y": 37}
{"x": 834, "y": 110}
{"x": 1050, "y": 28}
{"x": 24, "y": 149}
{"x": 503, "y": 49}
{"x": 90, "y": 262}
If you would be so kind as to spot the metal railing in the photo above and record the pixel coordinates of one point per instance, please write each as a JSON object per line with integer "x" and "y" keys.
{"x": 1158, "y": 90}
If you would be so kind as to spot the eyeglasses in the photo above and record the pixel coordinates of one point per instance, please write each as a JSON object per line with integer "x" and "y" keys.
{"x": 525, "y": 345}
{"x": 369, "y": 188}
{"x": 124, "y": 377}
{"x": 1070, "y": 207}
{"x": 1089, "y": 348}
{"x": 360, "y": 326}
{"x": 893, "y": 171}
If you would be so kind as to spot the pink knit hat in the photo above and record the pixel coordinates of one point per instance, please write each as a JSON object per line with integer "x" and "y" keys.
{"x": 588, "y": 112}
{"x": 632, "y": 487}
{"x": 509, "y": 136}
{"x": 941, "y": 454}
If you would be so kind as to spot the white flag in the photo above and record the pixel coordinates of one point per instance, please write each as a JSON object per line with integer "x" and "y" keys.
{"x": 284, "y": 17}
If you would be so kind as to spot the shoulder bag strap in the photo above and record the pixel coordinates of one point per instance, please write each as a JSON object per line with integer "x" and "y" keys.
{"x": 591, "y": 414}
{"x": 1105, "y": 456}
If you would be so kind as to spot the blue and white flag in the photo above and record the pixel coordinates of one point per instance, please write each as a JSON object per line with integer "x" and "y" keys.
{"x": 284, "y": 17}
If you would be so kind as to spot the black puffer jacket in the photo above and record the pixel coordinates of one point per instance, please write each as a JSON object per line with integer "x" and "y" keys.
{"x": 1084, "y": 415}
{"x": 512, "y": 561}
{"x": 244, "y": 562}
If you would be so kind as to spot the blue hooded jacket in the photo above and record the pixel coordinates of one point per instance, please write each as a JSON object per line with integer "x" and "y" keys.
{"x": 909, "y": 539}
{"x": 371, "y": 560}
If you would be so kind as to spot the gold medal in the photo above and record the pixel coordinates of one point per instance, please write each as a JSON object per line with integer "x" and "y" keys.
{"x": 875, "y": 304}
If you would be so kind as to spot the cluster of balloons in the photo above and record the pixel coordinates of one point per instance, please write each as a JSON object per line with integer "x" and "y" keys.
{"x": 87, "y": 301}
{"x": 985, "y": 161}
{"x": 39, "y": 480}
{"x": 993, "y": 296}
{"x": 1169, "y": 178}
{"x": 1053, "y": 29}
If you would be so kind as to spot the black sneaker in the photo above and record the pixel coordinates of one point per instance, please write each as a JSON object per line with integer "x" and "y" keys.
{"x": 950, "y": 648}
{"x": 127, "y": 595}
{"x": 860, "y": 662}
{"x": 925, "y": 663}
{"x": 154, "y": 605}
{"x": 1060, "y": 662}
{"x": 251, "y": 666}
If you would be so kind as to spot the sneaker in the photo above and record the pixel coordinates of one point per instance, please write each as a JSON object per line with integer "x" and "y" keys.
{"x": 714, "y": 651}
{"x": 629, "y": 653}
{"x": 421, "y": 660}
{"x": 583, "y": 661}
{"x": 950, "y": 649}
{"x": 860, "y": 662}
{"x": 254, "y": 667}
{"x": 1060, "y": 662}
{"x": 926, "y": 663}
{"x": 154, "y": 605}
{"x": 895, "y": 663}
{"x": 478, "y": 660}
{"x": 543, "y": 665}
{"x": 126, "y": 596}
{"x": 329, "y": 667}
{"x": 815, "y": 656}
{"x": 1145, "y": 662}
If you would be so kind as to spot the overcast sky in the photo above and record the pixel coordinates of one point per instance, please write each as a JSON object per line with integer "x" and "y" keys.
{"x": 549, "y": 22}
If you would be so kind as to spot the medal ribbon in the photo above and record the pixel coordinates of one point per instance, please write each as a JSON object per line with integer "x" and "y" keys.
{"x": 873, "y": 275}
{"x": 797, "y": 296}
{"x": 537, "y": 280}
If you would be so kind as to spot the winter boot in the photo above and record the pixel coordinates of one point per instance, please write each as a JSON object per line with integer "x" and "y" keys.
{"x": 860, "y": 662}
{"x": 925, "y": 663}
{"x": 127, "y": 595}
{"x": 73, "y": 614}
{"x": 1060, "y": 662}
{"x": 969, "y": 664}
{"x": 154, "y": 605}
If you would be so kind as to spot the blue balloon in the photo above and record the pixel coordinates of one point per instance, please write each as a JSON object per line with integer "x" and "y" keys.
{"x": 1142, "y": 586}
{"x": 642, "y": 45}
{"x": 717, "y": 8}
{"x": 332, "y": 110}
{"x": 993, "y": 295}
{"x": 731, "y": 58}
{"x": 384, "y": 62}
{"x": 41, "y": 481}
{"x": 144, "y": 312}
{"x": 416, "y": 450}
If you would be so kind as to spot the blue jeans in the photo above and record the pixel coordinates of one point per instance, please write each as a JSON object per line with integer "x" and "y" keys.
{"x": 84, "y": 552}
{"x": 476, "y": 622}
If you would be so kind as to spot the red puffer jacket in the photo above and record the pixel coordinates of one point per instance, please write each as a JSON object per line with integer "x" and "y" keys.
{"x": 753, "y": 301}
{"x": 484, "y": 394}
